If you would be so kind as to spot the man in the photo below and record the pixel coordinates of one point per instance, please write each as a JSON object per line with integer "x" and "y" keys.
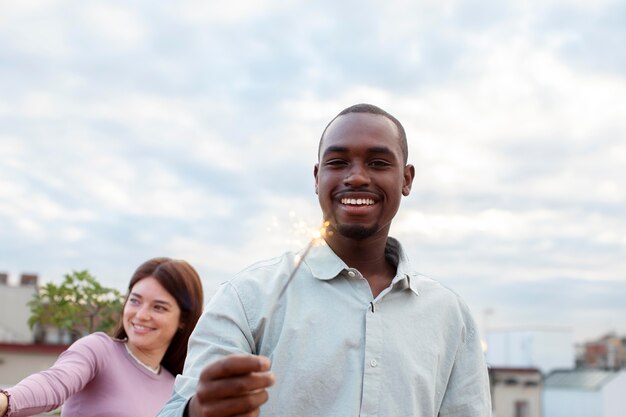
{"x": 357, "y": 332}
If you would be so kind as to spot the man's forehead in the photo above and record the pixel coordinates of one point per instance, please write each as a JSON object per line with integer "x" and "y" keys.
{"x": 360, "y": 125}
{"x": 361, "y": 120}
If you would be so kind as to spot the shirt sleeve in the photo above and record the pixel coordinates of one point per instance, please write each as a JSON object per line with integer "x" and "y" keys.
{"x": 223, "y": 329}
{"x": 48, "y": 390}
{"x": 467, "y": 393}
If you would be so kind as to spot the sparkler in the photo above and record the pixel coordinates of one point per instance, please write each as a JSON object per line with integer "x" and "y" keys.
{"x": 316, "y": 240}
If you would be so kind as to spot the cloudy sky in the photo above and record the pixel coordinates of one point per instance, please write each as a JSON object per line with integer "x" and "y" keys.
{"x": 189, "y": 129}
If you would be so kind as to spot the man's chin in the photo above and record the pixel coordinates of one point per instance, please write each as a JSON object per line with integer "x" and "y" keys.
{"x": 357, "y": 232}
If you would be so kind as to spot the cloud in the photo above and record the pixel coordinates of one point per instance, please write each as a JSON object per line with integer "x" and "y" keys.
{"x": 137, "y": 130}
{"x": 197, "y": 11}
{"x": 113, "y": 25}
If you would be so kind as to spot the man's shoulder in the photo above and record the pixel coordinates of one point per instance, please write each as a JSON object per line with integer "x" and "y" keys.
{"x": 448, "y": 296}
{"x": 264, "y": 273}
{"x": 266, "y": 264}
{"x": 430, "y": 287}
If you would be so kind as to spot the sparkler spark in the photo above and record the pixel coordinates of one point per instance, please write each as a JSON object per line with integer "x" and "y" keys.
{"x": 317, "y": 238}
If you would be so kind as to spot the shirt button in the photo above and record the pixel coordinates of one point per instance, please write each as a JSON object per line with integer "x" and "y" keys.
{"x": 373, "y": 363}
{"x": 351, "y": 274}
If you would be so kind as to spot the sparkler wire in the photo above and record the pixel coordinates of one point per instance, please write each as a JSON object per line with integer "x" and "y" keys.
{"x": 272, "y": 308}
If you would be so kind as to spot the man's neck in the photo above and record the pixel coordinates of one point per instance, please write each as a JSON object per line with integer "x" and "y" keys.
{"x": 368, "y": 257}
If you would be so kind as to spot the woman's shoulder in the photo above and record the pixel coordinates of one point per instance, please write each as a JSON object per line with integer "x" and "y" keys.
{"x": 97, "y": 344}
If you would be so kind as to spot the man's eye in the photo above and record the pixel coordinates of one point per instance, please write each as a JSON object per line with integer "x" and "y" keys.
{"x": 379, "y": 163}
{"x": 335, "y": 162}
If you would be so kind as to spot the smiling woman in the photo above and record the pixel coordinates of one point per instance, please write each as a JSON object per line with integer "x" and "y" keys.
{"x": 147, "y": 351}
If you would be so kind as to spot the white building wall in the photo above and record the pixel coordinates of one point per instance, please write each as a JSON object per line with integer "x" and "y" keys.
{"x": 505, "y": 397}
{"x": 545, "y": 349}
{"x": 572, "y": 403}
{"x": 14, "y": 313}
{"x": 614, "y": 396}
{"x": 15, "y": 365}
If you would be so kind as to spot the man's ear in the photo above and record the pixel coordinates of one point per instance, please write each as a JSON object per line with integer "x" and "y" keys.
{"x": 315, "y": 171}
{"x": 409, "y": 174}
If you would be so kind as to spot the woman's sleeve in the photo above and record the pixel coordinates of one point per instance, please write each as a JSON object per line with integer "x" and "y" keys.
{"x": 48, "y": 390}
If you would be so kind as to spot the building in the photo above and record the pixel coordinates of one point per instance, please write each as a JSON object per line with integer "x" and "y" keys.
{"x": 585, "y": 393}
{"x": 608, "y": 352}
{"x": 18, "y": 360}
{"x": 19, "y": 356}
{"x": 515, "y": 392}
{"x": 544, "y": 348}
{"x": 14, "y": 311}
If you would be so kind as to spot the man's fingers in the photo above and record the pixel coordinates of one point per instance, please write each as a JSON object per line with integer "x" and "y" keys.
{"x": 234, "y": 365}
{"x": 235, "y": 406}
{"x": 233, "y": 387}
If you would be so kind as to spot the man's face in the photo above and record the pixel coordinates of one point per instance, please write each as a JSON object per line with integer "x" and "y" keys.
{"x": 361, "y": 177}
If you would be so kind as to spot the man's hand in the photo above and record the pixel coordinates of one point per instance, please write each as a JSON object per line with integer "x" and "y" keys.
{"x": 232, "y": 386}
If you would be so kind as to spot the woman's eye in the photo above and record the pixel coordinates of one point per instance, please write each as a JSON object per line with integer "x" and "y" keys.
{"x": 133, "y": 301}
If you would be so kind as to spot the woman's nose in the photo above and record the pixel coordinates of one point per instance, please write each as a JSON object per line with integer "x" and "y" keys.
{"x": 143, "y": 312}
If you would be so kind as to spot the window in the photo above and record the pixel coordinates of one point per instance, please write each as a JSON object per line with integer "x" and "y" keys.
{"x": 521, "y": 409}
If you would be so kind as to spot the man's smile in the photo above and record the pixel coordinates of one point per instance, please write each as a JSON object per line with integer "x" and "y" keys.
{"x": 357, "y": 201}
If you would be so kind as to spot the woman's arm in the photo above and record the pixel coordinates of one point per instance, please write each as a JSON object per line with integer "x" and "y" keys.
{"x": 48, "y": 390}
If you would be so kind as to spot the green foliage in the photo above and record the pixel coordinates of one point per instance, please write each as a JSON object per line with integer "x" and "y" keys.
{"x": 79, "y": 305}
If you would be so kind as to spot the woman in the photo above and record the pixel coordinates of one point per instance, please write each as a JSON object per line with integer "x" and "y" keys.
{"x": 131, "y": 374}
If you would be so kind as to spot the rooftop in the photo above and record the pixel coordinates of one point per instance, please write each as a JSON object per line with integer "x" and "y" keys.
{"x": 588, "y": 379}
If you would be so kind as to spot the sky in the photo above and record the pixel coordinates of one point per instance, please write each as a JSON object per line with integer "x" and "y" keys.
{"x": 189, "y": 129}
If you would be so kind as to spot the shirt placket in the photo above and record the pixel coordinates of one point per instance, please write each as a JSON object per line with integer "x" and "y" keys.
{"x": 372, "y": 369}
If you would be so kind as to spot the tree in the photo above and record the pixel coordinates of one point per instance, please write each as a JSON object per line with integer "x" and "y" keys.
{"x": 79, "y": 306}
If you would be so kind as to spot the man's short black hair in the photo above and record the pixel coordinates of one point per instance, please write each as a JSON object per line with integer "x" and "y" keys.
{"x": 370, "y": 108}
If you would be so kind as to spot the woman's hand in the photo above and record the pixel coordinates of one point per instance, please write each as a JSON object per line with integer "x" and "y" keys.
{"x": 4, "y": 403}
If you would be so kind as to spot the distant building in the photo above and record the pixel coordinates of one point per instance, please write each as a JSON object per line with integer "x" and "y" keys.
{"x": 19, "y": 355}
{"x": 515, "y": 392}
{"x": 608, "y": 352}
{"x": 544, "y": 348}
{"x": 585, "y": 393}
{"x": 14, "y": 311}
{"x": 17, "y": 360}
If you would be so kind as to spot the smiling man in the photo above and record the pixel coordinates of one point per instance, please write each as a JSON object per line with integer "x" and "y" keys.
{"x": 357, "y": 332}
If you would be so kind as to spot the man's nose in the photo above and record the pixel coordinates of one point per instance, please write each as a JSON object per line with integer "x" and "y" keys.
{"x": 357, "y": 176}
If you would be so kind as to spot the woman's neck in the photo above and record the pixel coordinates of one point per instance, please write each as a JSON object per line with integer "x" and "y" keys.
{"x": 151, "y": 360}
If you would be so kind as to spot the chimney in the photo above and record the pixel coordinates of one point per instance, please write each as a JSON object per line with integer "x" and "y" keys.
{"x": 4, "y": 278}
{"x": 29, "y": 279}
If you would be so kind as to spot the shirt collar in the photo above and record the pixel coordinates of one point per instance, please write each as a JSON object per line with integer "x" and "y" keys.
{"x": 326, "y": 265}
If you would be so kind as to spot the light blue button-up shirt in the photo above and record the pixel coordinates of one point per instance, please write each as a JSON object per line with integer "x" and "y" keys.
{"x": 413, "y": 351}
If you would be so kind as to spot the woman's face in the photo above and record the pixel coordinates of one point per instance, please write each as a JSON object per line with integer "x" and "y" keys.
{"x": 151, "y": 317}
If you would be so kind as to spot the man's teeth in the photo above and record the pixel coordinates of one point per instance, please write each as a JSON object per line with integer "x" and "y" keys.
{"x": 357, "y": 201}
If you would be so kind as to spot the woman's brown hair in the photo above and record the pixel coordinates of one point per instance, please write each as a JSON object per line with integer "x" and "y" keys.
{"x": 183, "y": 283}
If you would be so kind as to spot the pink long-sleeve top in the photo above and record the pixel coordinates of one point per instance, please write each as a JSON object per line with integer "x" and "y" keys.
{"x": 95, "y": 377}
